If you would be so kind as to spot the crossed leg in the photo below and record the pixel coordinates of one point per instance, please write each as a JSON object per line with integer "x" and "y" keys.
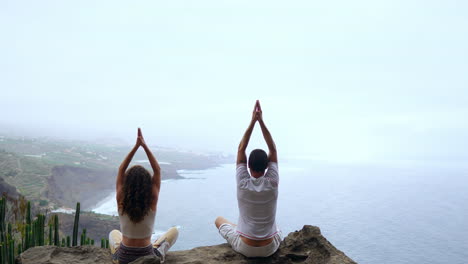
{"x": 115, "y": 238}
{"x": 166, "y": 241}
{"x": 163, "y": 244}
{"x": 221, "y": 220}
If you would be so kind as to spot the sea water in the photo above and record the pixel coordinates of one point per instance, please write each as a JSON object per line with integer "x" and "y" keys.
{"x": 375, "y": 213}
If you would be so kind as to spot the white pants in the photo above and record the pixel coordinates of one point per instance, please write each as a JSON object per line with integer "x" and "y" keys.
{"x": 229, "y": 233}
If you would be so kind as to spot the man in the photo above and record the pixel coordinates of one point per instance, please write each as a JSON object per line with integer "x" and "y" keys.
{"x": 256, "y": 234}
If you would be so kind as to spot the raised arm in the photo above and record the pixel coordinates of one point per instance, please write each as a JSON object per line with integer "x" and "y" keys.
{"x": 123, "y": 167}
{"x": 153, "y": 162}
{"x": 272, "y": 154}
{"x": 241, "y": 156}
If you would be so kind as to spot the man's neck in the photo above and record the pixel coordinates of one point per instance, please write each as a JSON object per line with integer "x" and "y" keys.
{"x": 256, "y": 174}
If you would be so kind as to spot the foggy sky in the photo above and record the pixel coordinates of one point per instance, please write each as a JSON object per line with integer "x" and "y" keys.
{"x": 339, "y": 80}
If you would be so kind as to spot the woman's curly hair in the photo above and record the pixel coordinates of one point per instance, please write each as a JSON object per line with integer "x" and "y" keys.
{"x": 137, "y": 193}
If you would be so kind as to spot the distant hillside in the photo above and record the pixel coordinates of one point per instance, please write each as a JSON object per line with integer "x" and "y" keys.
{"x": 29, "y": 175}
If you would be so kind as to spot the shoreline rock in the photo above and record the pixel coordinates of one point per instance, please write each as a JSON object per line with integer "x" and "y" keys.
{"x": 303, "y": 246}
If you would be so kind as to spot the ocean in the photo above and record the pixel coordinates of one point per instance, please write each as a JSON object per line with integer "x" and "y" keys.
{"x": 395, "y": 213}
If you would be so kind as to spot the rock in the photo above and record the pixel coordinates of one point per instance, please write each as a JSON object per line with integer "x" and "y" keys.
{"x": 63, "y": 255}
{"x": 7, "y": 190}
{"x": 305, "y": 246}
{"x": 147, "y": 260}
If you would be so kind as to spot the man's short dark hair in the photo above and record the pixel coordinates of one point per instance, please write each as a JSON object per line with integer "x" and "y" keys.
{"x": 258, "y": 160}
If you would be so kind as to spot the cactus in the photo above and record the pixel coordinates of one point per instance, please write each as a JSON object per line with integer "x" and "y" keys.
{"x": 107, "y": 243}
{"x": 92, "y": 242}
{"x": 28, "y": 214}
{"x": 12, "y": 252}
{"x": 84, "y": 236}
{"x": 2, "y": 220}
{"x": 20, "y": 249}
{"x": 3, "y": 215}
{"x": 33, "y": 233}
{"x": 56, "y": 233}
{"x": 37, "y": 229}
{"x": 3, "y": 251}
{"x": 27, "y": 237}
{"x": 50, "y": 234}
{"x": 40, "y": 230}
{"x": 32, "y": 243}
{"x": 103, "y": 243}
{"x": 31, "y": 237}
{"x": 28, "y": 231}
{"x": 75, "y": 225}
{"x": 68, "y": 241}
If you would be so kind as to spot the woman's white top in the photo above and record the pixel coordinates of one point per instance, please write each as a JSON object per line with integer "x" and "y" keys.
{"x": 142, "y": 229}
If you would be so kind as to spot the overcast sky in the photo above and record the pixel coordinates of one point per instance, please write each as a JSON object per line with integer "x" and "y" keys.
{"x": 346, "y": 80}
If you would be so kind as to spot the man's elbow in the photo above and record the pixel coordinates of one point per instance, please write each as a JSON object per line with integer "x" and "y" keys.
{"x": 241, "y": 149}
{"x": 157, "y": 171}
{"x": 272, "y": 150}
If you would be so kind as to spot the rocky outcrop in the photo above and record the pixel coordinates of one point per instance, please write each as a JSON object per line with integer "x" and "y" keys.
{"x": 304, "y": 246}
{"x": 8, "y": 190}
{"x": 58, "y": 255}
{"x": 68, "y": 184}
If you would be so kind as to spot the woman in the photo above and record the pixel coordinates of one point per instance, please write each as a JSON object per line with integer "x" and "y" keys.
{"x": 137, "y": 197}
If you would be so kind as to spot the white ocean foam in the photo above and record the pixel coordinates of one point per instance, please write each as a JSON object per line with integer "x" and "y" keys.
{"x": 64, "y": 210}
{"x": 107, "y": 206}
{"x": 35, "y": 156}
{"x": 147, "y": 161}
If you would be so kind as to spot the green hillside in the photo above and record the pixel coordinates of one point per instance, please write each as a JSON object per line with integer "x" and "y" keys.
{"x": 28, "y": 174}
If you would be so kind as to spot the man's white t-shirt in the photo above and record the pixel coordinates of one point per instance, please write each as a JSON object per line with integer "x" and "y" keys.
{"x": 257, "y": 198}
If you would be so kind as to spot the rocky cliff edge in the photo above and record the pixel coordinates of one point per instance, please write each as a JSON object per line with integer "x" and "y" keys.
{"x": 304, "y": 246}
